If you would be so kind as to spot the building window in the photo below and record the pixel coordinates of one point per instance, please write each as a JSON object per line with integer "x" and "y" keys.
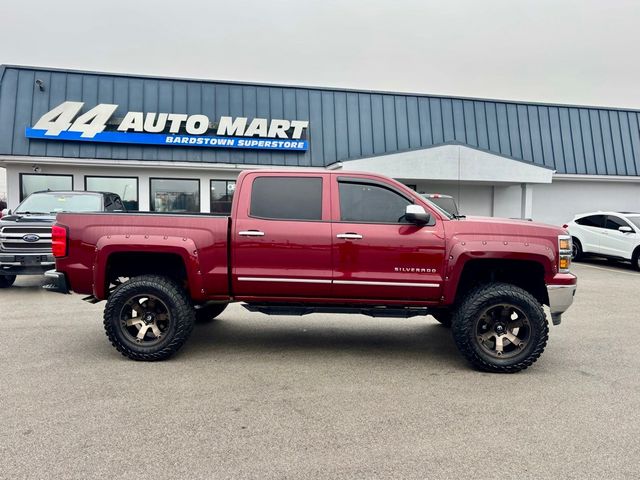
{"x": 30, "y": 183}
{"x": 125, "y": 187}
{"x": 175, "y": 195}
{"x": 222, "y": 195}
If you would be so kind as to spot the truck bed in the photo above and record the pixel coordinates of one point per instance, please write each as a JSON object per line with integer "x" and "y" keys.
{"x": 201, "y": 240}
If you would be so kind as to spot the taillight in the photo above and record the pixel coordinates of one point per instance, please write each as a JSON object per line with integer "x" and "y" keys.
{"x": 566, "y": 225}
{"x": 59, "y": 241}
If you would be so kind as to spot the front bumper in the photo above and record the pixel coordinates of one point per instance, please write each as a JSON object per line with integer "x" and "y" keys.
{"x": 560, "y": 299}
{"x": 25, "y": 264}
{"x": 56, "y": 282}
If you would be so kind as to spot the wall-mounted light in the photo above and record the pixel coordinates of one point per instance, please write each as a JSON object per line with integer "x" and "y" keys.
{"x": 40, "y": 84}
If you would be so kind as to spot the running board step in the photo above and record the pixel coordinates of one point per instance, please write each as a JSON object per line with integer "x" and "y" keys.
{"x": 299, "y": 310}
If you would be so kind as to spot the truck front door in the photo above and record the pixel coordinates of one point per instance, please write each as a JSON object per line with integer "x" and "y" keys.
{"x": 377, "y": 254}
{"x": 281, "y": 237}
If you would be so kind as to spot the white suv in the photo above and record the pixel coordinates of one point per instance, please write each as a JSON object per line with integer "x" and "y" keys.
{"x": 608, "y": 234}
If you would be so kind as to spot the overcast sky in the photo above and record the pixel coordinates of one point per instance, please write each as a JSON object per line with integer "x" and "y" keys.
{"x": 564, "y": 51}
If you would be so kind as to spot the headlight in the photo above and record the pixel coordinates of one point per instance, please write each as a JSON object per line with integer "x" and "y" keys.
{"x": 565, "y": 247}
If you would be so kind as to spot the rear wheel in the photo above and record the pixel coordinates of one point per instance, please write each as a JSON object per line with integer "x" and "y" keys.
{"x": 148, "y": 318}
{"x": 635, "y": 259}
{"x": 207, "y": 313}
{"x": 576, "y": 252}
{"x": 500, "y": 328}
{"x": 7, "y": 280}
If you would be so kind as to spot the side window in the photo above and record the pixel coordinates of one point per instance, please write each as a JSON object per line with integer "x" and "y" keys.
{"x": 363, "y": 202}
{"x": 613, "y": 223}
{"x": 591, "y": 221}
{"x": 117, "y": 204}
{"x": 287, "y": 198}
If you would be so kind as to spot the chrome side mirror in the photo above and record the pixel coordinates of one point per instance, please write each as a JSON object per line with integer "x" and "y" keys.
{"x": 625, "y": 229}
{"x": 417, "y": 214}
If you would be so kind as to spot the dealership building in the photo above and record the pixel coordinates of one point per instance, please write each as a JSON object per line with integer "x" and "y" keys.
{"x": 168, "y": 144}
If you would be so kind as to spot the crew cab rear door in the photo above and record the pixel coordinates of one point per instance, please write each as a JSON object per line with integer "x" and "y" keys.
{"x": 281, "y": 236}
{"x": 376, "y": 253}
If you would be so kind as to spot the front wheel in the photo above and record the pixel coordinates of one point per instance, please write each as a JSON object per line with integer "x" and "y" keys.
{"x": 148, "y": 318}
{"x": 7, "y": 280}
{"x": 500, "y": 328}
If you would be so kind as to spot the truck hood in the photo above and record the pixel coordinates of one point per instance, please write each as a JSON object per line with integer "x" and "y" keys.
{"x": 23, "y": 219}
{"x": 504, "y": 227}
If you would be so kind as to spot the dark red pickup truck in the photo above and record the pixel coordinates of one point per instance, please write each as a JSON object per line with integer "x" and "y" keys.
{"x": 320, "y": 241}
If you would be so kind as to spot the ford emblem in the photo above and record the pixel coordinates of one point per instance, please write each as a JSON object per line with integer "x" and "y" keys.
{"x": 31, "y": 237}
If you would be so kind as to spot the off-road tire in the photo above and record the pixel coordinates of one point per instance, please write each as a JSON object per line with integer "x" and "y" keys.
{"x": 443, "y": 316}
{"x": 207, "y": 313}
{"x": 471, "y": 308}
{"x": 576, "y": 253}
{"x": 182, "y": 317}
{"x": 7, "y": 280}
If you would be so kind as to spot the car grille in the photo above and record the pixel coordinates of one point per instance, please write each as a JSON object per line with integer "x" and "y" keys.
{"x": 12, "y": 239}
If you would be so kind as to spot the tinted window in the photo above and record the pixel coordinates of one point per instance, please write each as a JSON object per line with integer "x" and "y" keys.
{"x": 125, "y": 187}
{"x": 222, "y": 195}
{"x": 290, "y": 198}
{"x": 613, "y": 223}
{"x": 362, "y": 202}
{"x": 37, "y": 183}
{"x": 175, "y": 195}
{"x": 591, "y": 221}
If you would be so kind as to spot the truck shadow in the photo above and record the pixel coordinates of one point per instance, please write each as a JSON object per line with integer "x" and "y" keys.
{"x": 418, "y": 341}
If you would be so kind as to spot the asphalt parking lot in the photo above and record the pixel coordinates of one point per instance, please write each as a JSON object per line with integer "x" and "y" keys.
{"x": 252, "y": 396}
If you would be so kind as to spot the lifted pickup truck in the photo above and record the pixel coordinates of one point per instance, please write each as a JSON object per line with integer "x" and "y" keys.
{"x": 25, "y": 234}
{"x": 320, "y": 241}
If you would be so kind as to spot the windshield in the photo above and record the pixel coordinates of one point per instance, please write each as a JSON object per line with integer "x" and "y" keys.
{"x": 51, "y": 203}
{"x": 449, "y": 215}
{"x": 635, "y": 220}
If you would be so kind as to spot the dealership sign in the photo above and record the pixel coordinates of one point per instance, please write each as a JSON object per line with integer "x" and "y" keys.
{"x": 173, "y": 129}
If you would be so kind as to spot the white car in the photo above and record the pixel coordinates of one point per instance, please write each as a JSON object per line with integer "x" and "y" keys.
{"x": 614, "y": 235}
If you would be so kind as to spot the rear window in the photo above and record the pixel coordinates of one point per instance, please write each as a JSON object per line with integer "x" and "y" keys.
{"x": 287, "y": 198}
{"x": 591, "y": 221}
{"x": 51, "y": 203}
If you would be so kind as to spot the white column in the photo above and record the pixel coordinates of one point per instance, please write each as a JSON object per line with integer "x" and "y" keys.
{"x": 526, "y": 203}
{"x": 13, "y": 187}
{"x": 143, "y": 192}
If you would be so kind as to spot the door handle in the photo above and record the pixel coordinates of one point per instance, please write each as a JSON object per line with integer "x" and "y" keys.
{"x": 251, "y": 233}
{"x": 349, "y": 236}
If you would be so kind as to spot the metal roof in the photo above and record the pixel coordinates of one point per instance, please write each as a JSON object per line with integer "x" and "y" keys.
{"x": 343, "y": 124}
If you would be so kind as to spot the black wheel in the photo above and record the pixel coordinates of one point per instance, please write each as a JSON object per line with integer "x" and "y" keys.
{"x": 148, "y": 318}
{"x": 500, "y": 328}
{"x": 7, "y": 280}
{"x": 635, "y": 259}
{"x": 206, "y": 313}
{"x": 576, "y": 252}
{"x": 443, "y": 316}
